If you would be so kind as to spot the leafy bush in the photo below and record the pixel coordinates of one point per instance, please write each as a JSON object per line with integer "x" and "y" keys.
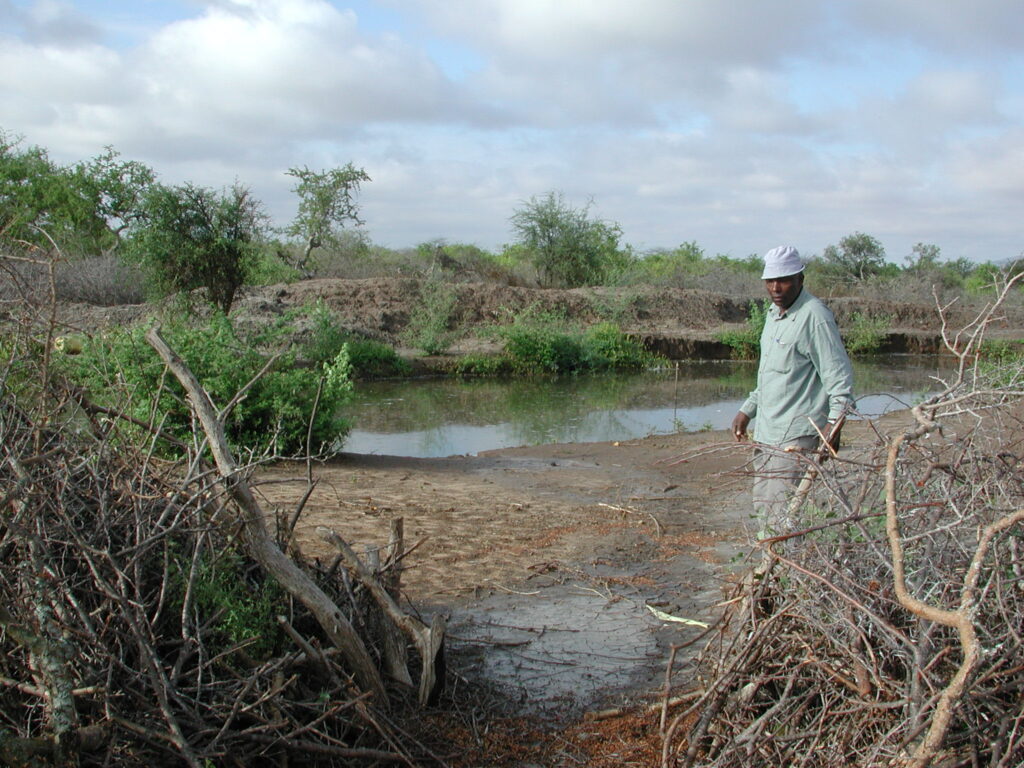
{"x": 1001, "y": 362}
{"x": 686, "y": 266}
{"x": 367, "y": 358}
{"x": 428, "y": 329}
{"x": 543, "y": 342}
{"x": 269, "y": 267}
{"x": 193, "y": 238}
{"x": 326, "y": 338}
{"x": 606, "y": 346}
{"x": 981, "y": 278}
{"x": 374, "y": 359}
{"x": 83, "y": 208}
{"x": 865, "y": 334}
{"x": 1002, "y": 350}
{"x": 856, "y": 257}
{"x": 536, "y": 347}
{"x": 616, "y": 306}
{"x": 475, "y": 364}
{"x": 244, "y": 604}
{"x": 568, "y": 248}
{"x": 273, "y": 416}
{"x": 676, "y": 266}
{"x": 746, "y": 343}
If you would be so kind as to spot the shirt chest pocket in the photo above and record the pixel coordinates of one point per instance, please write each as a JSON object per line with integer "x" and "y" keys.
{"x": 783, "y": 354}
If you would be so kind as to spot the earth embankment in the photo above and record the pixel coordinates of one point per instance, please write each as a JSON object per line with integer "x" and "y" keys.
{"x": 679, "y": 323}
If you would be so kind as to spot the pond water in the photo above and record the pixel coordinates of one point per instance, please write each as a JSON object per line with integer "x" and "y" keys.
{"x": 445, "y": 417}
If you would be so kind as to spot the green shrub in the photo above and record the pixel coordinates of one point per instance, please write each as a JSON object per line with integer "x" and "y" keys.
{"x": 568, "y": 248}
{"x": 606, "y": 346}
{"x": 367, "y": 358}
{"x": 864, "y": 335}
{"x": 982, "y": 278}
{"x": 615, "y": 307}
{"x": 1002, "y": 350}
{"x": 240, "y": 603}
{"x": 687, "y": 266}
{"x": 326, "y": 338}
{"x": 269, "y": 268}
{"x": 543, "y": 342}
{"x": 122, "y": 370}
{"x": 374, "y": 359}
{"x": 1001, "y": 362}
{"x": 484, "y": 365}
{"x": 192, "y": 238}
{"x": 746, "y": 342}
{"x": 428, "y": 329}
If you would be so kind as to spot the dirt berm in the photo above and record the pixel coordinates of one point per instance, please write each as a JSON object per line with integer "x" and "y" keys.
{"x": 676, "y": 322}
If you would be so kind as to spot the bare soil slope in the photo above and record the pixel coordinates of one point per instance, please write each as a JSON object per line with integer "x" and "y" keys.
{"x": 380, "y": 308}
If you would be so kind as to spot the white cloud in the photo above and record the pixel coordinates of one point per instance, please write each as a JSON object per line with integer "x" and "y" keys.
{"x": 737, "y": 123}
{"x": 607, "y": 61}
{"x": 699, "y": 31}
{"x": 989, "y": 28}
{"x": 295, "y": 68}
{"x": 956, "y": 96}
{"x": 994, "y": 166}
{"x": 59, "y": 74}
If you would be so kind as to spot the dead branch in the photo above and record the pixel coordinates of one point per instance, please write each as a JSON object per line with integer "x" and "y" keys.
{"x": 887, "y": 627}
{"x": 260, "y": 543}
{"x": 429, "y": 640}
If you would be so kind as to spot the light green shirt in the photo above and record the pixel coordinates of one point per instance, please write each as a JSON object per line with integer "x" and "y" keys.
{"x": 804, "y": 373}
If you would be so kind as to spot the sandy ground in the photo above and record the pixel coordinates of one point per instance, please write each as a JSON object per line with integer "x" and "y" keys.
{"x": 548, "y": 560}
{"x": 497, "y": 519}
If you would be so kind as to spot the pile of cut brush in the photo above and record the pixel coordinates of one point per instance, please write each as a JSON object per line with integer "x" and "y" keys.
{"x": 889, "y": 629}
{"x": 150, "y": 616}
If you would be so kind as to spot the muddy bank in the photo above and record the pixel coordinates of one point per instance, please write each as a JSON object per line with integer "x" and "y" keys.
{"x": 549, "y": 559}
{"x": 545, "y": 558}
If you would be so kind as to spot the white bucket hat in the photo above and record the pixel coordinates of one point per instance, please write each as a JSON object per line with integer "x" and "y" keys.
{"x": 782, "y": 262}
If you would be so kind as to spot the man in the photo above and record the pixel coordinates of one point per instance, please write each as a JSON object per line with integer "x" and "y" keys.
{"x": 804, "y": 387}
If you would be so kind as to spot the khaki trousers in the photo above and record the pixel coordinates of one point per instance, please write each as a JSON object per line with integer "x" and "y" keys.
{"x": 777, "y": 472}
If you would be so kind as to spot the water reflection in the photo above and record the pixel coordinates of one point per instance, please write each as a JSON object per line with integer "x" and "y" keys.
{"x": 443, "y": 417}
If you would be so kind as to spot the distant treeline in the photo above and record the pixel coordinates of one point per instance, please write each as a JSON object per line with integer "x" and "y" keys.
{"x": 124, "y": 236}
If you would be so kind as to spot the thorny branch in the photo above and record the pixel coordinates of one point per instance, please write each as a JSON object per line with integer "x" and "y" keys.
{"x": 135, "y": 628}
{"x": 888, "y": 627}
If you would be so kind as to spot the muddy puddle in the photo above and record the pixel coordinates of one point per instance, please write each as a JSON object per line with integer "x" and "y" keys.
{"x": 561, "y": 648}
{"x": 570, "y": 647}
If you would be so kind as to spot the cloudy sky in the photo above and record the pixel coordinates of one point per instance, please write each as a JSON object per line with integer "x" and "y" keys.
{"x": 740, "y": 124}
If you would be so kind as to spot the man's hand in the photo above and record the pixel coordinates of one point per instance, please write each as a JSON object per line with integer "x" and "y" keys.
{"x": 833, "y": 431}
{"x": 739, "y": 426}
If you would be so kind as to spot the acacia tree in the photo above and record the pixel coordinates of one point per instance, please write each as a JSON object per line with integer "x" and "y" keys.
{"x": 327, "y": 203}
{"x": 37, "y": 194}
{"x": 857, "y": 256}
{"x": 568, "y": 248}
{"x": 192, "y": 238}
{"x": 116, "y": 189}
{"x": 82, "y": 208}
